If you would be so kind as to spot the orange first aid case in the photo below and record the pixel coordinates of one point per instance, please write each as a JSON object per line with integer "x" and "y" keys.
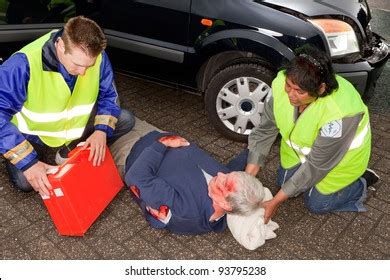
{"x": 81, "y": 192}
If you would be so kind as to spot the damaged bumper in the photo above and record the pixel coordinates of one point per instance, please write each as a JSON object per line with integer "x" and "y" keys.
{"x": 365, "y": 73}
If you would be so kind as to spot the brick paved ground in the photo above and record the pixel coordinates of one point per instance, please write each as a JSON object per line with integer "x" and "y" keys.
{"x": 26, "y": 231}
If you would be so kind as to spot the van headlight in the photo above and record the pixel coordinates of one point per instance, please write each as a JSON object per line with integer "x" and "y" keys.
{"x": 340, "y": 36}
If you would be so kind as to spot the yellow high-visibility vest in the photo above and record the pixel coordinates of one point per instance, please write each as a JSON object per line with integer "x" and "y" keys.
{"x": 51, "y": 111}
{"x": 298, "y": 137}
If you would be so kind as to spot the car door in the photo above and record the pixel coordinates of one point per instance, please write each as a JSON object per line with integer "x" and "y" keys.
{"x": 157, "y": 28}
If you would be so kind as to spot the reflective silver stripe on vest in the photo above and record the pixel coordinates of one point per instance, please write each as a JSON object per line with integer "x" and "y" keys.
{"x": 64, "y": 134}
{"x": 356, "y": 143}
{"x": 301, "y": 151}
{"x": 53, "y": 117}
{"x": 358, "y": 140}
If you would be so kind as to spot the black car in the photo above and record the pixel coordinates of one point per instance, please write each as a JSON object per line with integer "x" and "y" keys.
{"x": 227, "y": 50}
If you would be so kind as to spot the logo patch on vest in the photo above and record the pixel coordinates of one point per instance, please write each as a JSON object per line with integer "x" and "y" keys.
{"x": 332, "y": 129}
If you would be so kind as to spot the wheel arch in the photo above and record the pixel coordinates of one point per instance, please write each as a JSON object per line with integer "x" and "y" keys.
{"x": 230, "y": 47}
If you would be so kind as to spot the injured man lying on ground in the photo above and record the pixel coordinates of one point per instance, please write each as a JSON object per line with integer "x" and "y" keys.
{"x": 179, "y": 187}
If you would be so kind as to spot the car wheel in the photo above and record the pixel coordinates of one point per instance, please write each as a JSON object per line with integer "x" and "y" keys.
{"x": 234, "y": 99}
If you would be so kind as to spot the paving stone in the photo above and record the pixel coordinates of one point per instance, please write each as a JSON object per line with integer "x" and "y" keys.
{"x": 127, "y": 230}
{"x": 206, "y": 250}
{"x": 12, "y": 250}
{"x": 153, "y": 115}
{"x": 330, "y": 230}
{"x": 175, "y": 249}
{"x": 108, "y": 249}
{"x": 195, "y": 134}
{"x": 15, "y": 196}
{"x": 214, "y": 237}
{"x": 384, "y": 178}
{"x": 76, "y": 249}
{"x": 43, "y": 249}
{"x": 382, "y": 191}
{"x": 375, "y": 141}
{"x": 384, "y": 145}
{"x": 359, "y": 249}
{"x": 32, "y": 231}
{"x": 124, "y": 195}
{"x": 206, "y": 140}
{"x": 268, "y": 179}
{"x": 300, "y": 249}
{"x": 339, "y": 254}
{"x": 183, "y": 238}
{"x": 139, "y": 113}
{"x": 223, "y": 142}
{"x": 314, "y": 242}
{"x": 372, "y": 213}
{"x": 272, "y": 251}
{"x": 121, "y": 210}
{"x": 360, "y": 228}
{"x": 380, "y": 122}
{"x": 380, "y": 244}
{"x": 379, "y": 205}
{"x": 272, "y": 164}
{"x": 383, "y": 228}
{"x": 348, "y": 216}
{"x": 183, "y": 122}
{"x": 151, "y": 234}
{"x": 164, "y": 121}
{"x": 383, "y": 165}
{"x": 287, "y": 217}
{"x": 139, "y": 249}
{"x": 306, "y": 226}
{"x": 320, "y": 217}
{"x": 103, "y": 224}
{"x": 376, "y": 155}
{"x": 7, "y": 211}
{"x": 53, "y": 235}
{"x": 32, "y": 209}
{"x": 216, "y": 150}
{"x": 201, "y": 122}
{"x": 5, "y": 187}
{"x": 235, "y": 148}
{"x": 12, "y": 226}
{"x": 163, "y": 105}
{"x": 136, "y": 212}
{"x": 230, "y": 245}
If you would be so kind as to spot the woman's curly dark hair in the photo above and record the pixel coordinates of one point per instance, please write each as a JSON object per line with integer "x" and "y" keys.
{"x": 309, "y": 69}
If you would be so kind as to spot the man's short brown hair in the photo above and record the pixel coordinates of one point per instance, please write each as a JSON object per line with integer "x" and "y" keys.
{"x": 84, "y": 33}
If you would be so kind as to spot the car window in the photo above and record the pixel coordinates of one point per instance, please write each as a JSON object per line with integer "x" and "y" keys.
{"x": 36, "y": 11}
{"x": 3, "y": 11}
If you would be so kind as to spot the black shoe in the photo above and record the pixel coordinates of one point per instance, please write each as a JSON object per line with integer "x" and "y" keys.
{"x": 370, "y": 176}
{"x": 62, "y": 155}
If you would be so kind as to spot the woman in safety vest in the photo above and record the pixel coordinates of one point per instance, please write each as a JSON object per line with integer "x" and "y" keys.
{"x": 325, "y": 137}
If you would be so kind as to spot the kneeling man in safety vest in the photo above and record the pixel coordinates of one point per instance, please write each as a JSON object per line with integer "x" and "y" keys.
{"x": 56, "y": 92}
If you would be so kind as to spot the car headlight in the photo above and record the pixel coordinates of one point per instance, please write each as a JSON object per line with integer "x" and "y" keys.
{"x": 340, "y": 36}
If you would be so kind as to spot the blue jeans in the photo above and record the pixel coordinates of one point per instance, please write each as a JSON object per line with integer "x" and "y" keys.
{"x": 125, "y": 123}
{"x": 348, "y": 199}
{"x": 238, "y": 163}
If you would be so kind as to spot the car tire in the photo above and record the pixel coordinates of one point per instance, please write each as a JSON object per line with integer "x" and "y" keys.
{"x": 234, "y": 99}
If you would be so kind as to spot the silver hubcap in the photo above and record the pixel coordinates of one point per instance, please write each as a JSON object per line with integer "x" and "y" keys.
{"x": 240, "y": 103}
